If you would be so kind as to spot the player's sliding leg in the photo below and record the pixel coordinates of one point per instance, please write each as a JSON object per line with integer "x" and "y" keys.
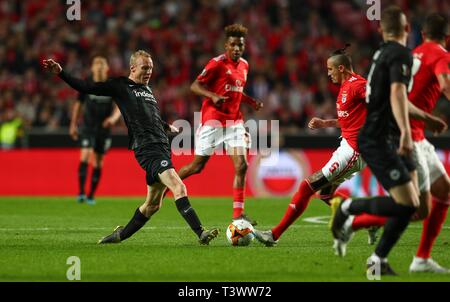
{"x": 82, "y": 172}
{"x": 95, "y": 179}
{"x": 399, "y": 208}
{"x": 141, "y": 215}
{"x": 296, "y": 207}
{"x": 344, "y": 163}
{"x": 432, "y": 225}
{"x": 174, "y": 183}
{"x": 239, "y": 158}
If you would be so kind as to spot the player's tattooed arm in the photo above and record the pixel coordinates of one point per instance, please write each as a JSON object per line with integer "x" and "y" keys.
{"x": 318, "y": 123}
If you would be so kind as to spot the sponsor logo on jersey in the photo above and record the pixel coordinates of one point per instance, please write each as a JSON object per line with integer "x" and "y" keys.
{"x": 229, "y": 87}
{"x": 144, "y": 94}
{"x": 342, "y": 113}
{"x": 148, "y": 96}
{"x": 237, "y": 88}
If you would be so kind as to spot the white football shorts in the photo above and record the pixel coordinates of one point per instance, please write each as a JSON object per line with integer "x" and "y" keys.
{"x": 344, "y": 163}
{"x": 208, "y": 138}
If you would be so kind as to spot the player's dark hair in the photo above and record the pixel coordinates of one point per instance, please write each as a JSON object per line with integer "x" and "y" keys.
{"x": 97, "y": 55}
{"x": 436, "y": 26}
{"x": 236, "y": 30}
{"x": 391, "y": 21}
{"x": 340, "y": 57}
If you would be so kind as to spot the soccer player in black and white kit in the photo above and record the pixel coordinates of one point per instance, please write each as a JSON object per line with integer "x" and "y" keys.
{"x": 385, "y": 141}
{"x": 148, "y": 140}
{"x": 99, "y": 113}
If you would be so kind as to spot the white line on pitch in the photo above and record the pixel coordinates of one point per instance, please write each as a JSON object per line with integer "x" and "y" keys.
{"x": 317, "y": 224}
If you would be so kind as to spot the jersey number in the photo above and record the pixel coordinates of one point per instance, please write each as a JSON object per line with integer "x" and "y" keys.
{"x": 369, "y": 77}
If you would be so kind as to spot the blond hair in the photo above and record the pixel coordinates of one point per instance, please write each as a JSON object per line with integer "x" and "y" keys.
{"x": 137, "y": 54}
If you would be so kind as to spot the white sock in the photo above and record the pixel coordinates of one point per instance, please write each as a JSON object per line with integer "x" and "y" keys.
{"x": 345, "y": 206}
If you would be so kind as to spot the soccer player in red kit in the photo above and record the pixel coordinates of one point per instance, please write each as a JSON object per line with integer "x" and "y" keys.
{"x": 221, "y": 84}
{"x": 431, "y": 77}
{"x": 346, "y": 160}
{"x": 431, "y": 66}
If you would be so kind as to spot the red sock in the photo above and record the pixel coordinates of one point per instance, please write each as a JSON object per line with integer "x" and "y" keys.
{"x": 431, "y": 228}
{"x": 297, "y": 206}
{"x": 238, "y": 202}
{"x": 367, "y": 220}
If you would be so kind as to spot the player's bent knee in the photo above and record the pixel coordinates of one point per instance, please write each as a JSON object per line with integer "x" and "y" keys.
{"x": 179, "y": 190}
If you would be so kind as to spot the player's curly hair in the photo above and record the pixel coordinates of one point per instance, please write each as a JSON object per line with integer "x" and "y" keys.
{"x": 340, "y": 57}
{"x": 236, "y": 30}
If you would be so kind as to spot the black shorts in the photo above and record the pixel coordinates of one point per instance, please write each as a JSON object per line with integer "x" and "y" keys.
{"x": 154, "y": 159}
{"x": 390, "y": 169}
{"x": 99, "y": 141}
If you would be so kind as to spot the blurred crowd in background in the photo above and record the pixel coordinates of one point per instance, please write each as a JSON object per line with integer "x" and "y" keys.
{"x": 288, "y": 43}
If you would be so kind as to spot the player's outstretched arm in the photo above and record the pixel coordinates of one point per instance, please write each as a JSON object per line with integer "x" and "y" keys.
{"x": 89, "y": 87}
{"x": 318, "y": 123}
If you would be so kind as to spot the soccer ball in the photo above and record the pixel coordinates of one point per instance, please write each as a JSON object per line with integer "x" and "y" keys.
{"x": 240, "y": 233}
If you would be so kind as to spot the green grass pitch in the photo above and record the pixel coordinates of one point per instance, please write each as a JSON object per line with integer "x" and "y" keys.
{"x": 38, "y": 234}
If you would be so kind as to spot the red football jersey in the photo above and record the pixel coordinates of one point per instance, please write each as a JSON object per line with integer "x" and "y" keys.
{"x": 430, "y": 60}
{"x": 351, "y": 108}
{"x": 224, "y": 77}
